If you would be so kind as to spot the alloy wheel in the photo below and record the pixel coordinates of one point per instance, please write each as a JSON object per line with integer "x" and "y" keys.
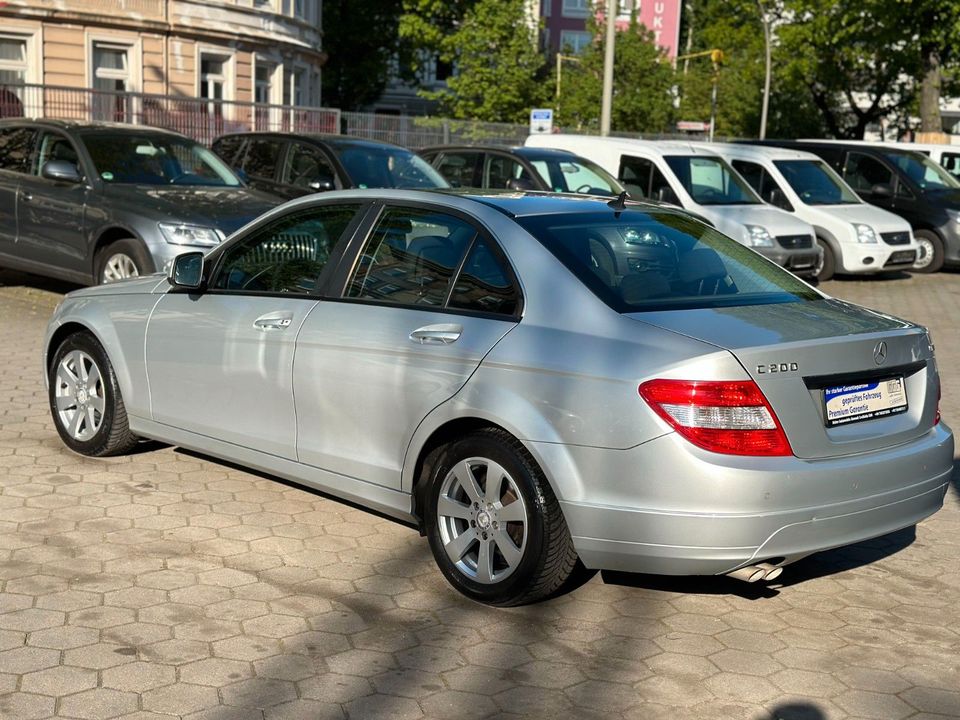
{"x": 79, "y": 392}
{"x": 924, "y": 254}
{"x": 482, "y": 520}
{"x": 119, "y": 266}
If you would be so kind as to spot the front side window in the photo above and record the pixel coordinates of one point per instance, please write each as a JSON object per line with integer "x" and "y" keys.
{"x": 288, "y": 255}
{"x": 923, "y": 171}
{"x": 576, "y": 176}
{"x": 16, "y": 145}
{"x": 660, "y": 260}
{"x": 410, "y": 257}
{"x": 148, "y": 159}
{"x": 710, "y": 181}
{"x": 862, "y": 172}
{"x": 54, "y": 146}
{"x": 374, "y": 166}
{"x": 262, "y": 157}
{"x": 762, "y": 182}
{"x": 816, "y": 183}
{"x": 499, "y": 170}
{"x": 308, "y": 168}
{"x": 458, "y": 168}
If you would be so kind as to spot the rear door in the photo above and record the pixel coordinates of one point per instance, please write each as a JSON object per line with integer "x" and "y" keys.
{"x": 262, "y": 162}
{"x": 426, "y": 298}
{"x": 220, "y": 363}
{"x": 16, "y": 146}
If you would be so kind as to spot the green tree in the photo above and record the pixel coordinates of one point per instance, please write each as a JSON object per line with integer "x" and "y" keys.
{"x": 360, "y": 47}
{"x": 424, "y": 27}
{"x": 500, "y": 71}
{"x": 643, "y": 81}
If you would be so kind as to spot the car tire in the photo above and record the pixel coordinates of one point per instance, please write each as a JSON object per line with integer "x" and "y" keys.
{"x": 930, "y": 257}
{"x": 85, "y": 399}
{"x": 495, "y": 552}
{"x": 122, "y": 259}
{"x": 828, "y": 265}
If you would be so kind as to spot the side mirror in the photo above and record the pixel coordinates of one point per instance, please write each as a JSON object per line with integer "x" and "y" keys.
{"x": 776, "y": 198}
{"x": 244, "y": 178}
{"x": 186, "y": 271}
{"x": 322, "y": 185}
{"x": 667, "y": 195}
{"x": 61, "y": 171}
{"x": 520, "y": 184}
{"x": 881, "y": 190}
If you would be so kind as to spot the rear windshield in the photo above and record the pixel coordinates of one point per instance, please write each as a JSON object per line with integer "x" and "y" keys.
{"x": 710, "y": 181}
{"x": 816, "y": 183}
{"x": 370, "y": 166}
{"x": 662, "y": 260}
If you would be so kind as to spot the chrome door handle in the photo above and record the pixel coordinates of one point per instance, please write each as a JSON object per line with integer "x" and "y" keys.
{"x": 437, "y": 334}
{"x": 273, "y": 322}
{"x": 26, "y": 197}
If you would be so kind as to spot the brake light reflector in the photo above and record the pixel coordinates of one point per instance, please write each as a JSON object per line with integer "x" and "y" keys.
{"x": 730, "y": 417}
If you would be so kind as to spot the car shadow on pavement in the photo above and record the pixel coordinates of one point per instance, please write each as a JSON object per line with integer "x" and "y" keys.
{"x": 874, "y": 277}
{"x": 14, "y": 278}
{"x": 795, "y": 710}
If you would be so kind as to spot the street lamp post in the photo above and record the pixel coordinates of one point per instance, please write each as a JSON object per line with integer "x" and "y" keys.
{"x": 606, "y": 106}
{"x": 766, "y": 79}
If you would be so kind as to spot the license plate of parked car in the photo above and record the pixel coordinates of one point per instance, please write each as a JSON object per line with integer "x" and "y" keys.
{"x": 864, "y": 401}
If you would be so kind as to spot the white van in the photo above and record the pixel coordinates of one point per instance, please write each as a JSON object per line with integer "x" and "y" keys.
{"x": 702, "y": 182}
{"x": 855, "y": 237}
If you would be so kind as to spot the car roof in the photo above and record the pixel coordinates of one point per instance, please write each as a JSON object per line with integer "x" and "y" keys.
{"x": 75, "y": 125}
{"x": 533, "y": 202}
{"x": 529, "y": 153}
{"x": 662, "y": 147}
{"x": 769, "y": 152}
{"x": 322, "y": 138}
{"x": 859, "y": 145}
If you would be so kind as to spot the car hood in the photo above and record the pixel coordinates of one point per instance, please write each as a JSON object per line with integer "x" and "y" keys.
{"x": 157, "y": 282}
{"x": 225, "y": 208}
{"x": 879, "y": 219}
{"x": 731, "y": 219}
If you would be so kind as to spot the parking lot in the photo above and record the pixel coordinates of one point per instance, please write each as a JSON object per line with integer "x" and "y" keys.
{"x": 170, "y": 584}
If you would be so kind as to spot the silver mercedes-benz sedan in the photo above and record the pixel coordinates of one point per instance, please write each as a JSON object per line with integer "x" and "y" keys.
{"x": 542, "y": 383}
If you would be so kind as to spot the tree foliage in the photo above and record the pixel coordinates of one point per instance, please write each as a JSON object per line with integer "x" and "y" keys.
{"x": 360, "y": 47}
{"x": 642, "y": 84}
{"x": 501, "y": 72}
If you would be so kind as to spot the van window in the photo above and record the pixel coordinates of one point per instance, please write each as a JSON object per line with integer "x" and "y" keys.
{"x": 710, "y": 181}
{"x": 762, "y": 182}
{"x": 923, "y": 171}
{"x": 815, "y": 182}
{"x": 951, "y": 163}
{"x": 643, "y": 178}
{"x": 862, "y": 172}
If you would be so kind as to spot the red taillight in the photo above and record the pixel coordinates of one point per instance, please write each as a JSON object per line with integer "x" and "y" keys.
{"x": 731, "y": 417}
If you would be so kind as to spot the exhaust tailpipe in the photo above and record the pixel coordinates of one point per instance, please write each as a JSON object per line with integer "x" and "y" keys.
{"x": 750, "y": 573}
{"x": 771, "y": 572}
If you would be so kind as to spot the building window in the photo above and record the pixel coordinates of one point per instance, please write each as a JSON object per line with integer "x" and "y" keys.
{"x": 13, "y": 60}
{"x": 295, "y": 91}
{"x": 576, "y": 8}
{"x": 213, "y": 76}
{"x": 111, "y": 67}
{"x": 263, "y": 83}
{"x": 572, "y": 41}
{"x": 545, "y": 8}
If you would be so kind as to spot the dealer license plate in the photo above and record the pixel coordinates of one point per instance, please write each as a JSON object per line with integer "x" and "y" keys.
{"x": 864, "y": 401}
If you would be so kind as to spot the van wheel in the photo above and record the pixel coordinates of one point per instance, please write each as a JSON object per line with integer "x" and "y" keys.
{"x": 122, "y": 259}
{"x": 930, "y": 255}
{"x": 495, "y": 527}
{"x": 85, "y": 400}
{"x": 828, "y": 263}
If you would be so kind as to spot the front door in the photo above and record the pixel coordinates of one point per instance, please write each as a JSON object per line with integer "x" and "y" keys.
{"x": 406, "y": 336}
{"x": 51, "y": 213}
{"x": 16, "y": 147}
{"x": 220, "y": 363}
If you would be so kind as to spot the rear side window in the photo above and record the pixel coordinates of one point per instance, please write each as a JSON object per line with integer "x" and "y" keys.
{"x": 459, "y": 168}
{"x": 286, "y": 256}
{"x": 411, "y": 257}
{"x": 951, "y": 163}
{"x": 228, "y": 147}
{"x": 484, "y": 284}
{"x": 262, "y": 158}
{"x": 659, "y": 260}
{"x": 16, "y": 144}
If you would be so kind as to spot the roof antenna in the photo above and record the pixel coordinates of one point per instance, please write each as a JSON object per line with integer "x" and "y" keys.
{"x": 619, "y": 204}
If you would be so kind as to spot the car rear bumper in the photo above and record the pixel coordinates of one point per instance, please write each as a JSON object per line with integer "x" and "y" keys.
{"x": 687, "y": 516}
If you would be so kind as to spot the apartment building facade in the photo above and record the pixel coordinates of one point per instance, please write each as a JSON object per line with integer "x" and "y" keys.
{"x": 264, "y": 51}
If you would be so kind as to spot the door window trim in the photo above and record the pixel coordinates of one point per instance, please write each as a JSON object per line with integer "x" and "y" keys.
{"x": 339, "y": 283}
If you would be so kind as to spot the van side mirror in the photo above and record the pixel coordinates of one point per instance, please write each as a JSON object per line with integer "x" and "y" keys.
{"x": 776, "y": 198}
{"x": 881, "y": 190}
{"x": 667, "y": 195}
{"x": 61, "y": 171}
{"x": 186, "y": 271}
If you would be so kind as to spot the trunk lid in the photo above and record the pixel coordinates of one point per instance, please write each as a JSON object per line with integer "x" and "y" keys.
{"x": 794, "y": 351}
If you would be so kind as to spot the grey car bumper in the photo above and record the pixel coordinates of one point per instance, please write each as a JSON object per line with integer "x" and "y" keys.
{"x": 803, "y": 261}
{"x": 780, "y": 507}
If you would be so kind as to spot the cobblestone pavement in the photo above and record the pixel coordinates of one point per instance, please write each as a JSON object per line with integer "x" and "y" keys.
{"x": 168, "y": 584}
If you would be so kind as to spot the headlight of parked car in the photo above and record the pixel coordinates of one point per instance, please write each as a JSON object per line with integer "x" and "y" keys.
{"x": 759, "y": 236}
{"x": 865, "y": 234}
{"x": 196, "y": 235}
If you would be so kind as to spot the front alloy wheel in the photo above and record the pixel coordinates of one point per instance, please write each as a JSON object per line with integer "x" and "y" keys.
{"x": 119, "y": 267}
{"x": 80, "y": 397}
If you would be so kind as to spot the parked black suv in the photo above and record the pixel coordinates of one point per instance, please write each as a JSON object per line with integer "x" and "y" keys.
{"x": 289, "y": 165}
{"x": 904, "y": 182}
{"x": 520, "y": 168}
{"x": 94, "y": 203}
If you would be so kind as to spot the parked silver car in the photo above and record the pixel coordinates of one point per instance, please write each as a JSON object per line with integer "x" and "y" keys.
{"x": 539, "y": 382}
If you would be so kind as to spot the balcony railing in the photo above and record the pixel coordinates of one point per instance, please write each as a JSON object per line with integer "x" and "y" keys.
{"x": 198, "y": 118}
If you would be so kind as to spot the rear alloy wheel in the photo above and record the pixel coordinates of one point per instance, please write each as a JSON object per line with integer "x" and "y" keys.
{"x": 494, "y": 524}
{"x": 827, "y": 265}
{"x": 122, "y": 259}
{"x": 930, "y": 254}
{"x": 85, "y": 399}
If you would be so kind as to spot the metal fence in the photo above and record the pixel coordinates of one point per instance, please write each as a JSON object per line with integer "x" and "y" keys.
{"x": 204, "y": 119}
